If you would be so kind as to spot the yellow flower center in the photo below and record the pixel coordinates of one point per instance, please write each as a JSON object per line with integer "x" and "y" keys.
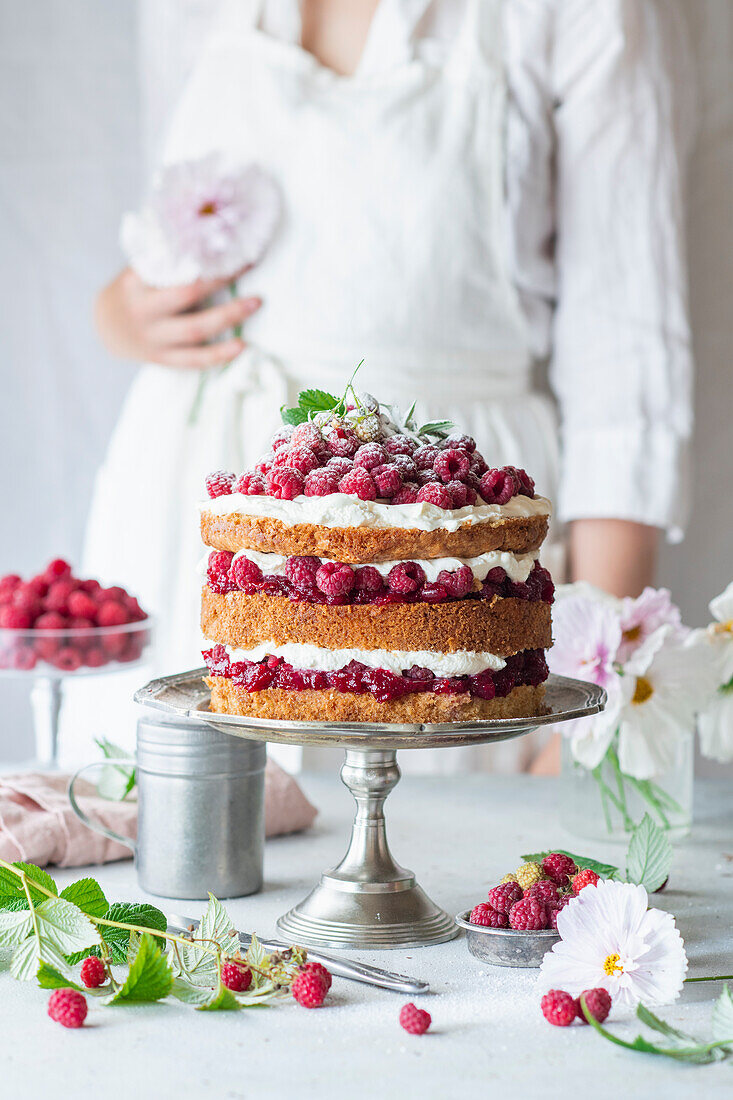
{"x": 722, "y": 628}
{"x": 207, "y": 209}
{"x": 633, "y": 634}
{"x": 612, "y": 965}
{"x": 642, "y": 691}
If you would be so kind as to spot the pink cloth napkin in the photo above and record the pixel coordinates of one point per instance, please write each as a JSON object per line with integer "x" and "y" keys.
{"x": 38, "y": 825}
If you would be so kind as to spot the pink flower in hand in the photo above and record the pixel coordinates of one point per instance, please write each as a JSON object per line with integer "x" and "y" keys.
{"x": 203, "y": 220}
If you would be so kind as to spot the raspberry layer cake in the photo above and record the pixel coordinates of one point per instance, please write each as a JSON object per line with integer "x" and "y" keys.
{"x": 367, "y": 570}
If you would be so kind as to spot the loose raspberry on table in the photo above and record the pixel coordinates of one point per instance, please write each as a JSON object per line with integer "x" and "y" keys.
{"x": 93, "y": 972}
{"x": 370, "y": 455}
{"x": 245, "y": 574}
{"x": 528, "y": 915}
{"x": 302, "y": 459}
{"x": 236, "y": 977}
{"x": 321, "y": 482}
{"x": 597, "y": 1002}
{"x": 67, "y": 1007}
{"x": 451, "y": 464}
{"x": 368, "y": 581}
{"x": 544, "y": 891}
{"x": 406, "y": 577}
{"x": 309, "y": 989}
{"x": 585, "y": 877}
{"x": 219, "y": 484}
{"x": 458, "y": 583}
{"x": 488, "y": 917}
{"x": 284, "y": 483}
{"x": 504, "y": 896}
{"x": 436, "y": 494}
{"x": 343, "y": 442}
{"x": 301, "y": 572}
{"x": 358, "y": 482}
{"x": 406, "y": 495}
{"x": 399, "y": 445}
{"x": 335, "y": 578}
{"x": 388, "y": 481}
{"x": 558, "y": 1008}
{"x": 306, "y": 435}
{"x": 528, "y": 874}
{"x": 320, "y": 972}
{"x": 415, "y": 1020}
{"x": 250, "y": 485}
{"x": 559, "y": 868}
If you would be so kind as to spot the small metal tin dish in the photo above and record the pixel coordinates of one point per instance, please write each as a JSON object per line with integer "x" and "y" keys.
{"x": 505, "y": 946}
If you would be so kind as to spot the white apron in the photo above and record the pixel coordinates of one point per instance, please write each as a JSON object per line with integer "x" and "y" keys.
{"x": 391, "y": 250}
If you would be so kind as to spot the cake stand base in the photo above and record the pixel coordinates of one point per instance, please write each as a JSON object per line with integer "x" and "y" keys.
{"x": 368, "y": 900}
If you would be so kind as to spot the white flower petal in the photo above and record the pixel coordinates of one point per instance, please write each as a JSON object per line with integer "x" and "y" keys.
{"x": 715, "y": 726}
{"x": 721, "y": 607}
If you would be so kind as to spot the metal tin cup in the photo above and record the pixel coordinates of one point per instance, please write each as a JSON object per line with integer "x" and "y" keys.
{"x": 201, "y": 810}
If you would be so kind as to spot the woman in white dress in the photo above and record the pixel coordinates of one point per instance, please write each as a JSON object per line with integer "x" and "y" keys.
{"x": 470, "y": 188}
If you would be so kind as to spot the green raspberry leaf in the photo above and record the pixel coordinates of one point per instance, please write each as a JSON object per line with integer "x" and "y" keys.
{"x": 14, "y": 927}
{"x": 222, "y": 1001}
{"x": 29, "y": 956}
{"x": 118, "y": 939}
{"x": 436, "y": 427}
{"x": 215, "y": 927}
{"x": 149, "y": 978}
{"x": 11, "y": 886}
{"x": 51, "y": 978}
{"x": 87, "y": 895}
{"x": 605, "y": 870}
{"x": 66, "y": 927}
{"x": 649, "y": 857}
{"x": 723, "y": 1018}
{"x": 293, "y": 416}
{"x": 315, "y": 401}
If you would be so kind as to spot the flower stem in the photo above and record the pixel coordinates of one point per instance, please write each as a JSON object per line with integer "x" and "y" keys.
{"x": 614, "y": 762}
{"x": 644, "y": 787}
{"x": 233, "y": 292}
{"x": 712, "y": 978}
{"x": 602, "y": 789}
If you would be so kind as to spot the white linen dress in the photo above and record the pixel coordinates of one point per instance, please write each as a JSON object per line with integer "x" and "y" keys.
{"x": 497, "y": 184}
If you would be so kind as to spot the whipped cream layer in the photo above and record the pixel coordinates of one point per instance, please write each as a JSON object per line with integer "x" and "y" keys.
{"x": 464, "y": 662}
{"x": 517, "y": 566}
{"x": 343, "y": 510}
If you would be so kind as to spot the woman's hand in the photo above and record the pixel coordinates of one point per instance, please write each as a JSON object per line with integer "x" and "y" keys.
{"x": 167, "y": 325}
{"x": 615, "y": 554}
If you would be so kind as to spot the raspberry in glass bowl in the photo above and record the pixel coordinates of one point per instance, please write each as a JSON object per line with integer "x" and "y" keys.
{"x": 56, "y": 624}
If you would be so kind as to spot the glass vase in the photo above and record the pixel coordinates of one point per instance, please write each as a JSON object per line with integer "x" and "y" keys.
{"x": 606, "y": 804}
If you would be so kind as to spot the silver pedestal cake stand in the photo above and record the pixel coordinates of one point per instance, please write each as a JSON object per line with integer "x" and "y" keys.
{"x": 368, "y": 900}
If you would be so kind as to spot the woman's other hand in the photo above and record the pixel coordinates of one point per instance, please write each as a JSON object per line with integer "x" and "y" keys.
{"x": 615, "y": 554}
{"x": 170, "y": 325}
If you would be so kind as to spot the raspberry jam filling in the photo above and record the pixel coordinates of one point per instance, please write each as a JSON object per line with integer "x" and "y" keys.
{"x": 310, "y": 580}
{"x": 528, "y": 667}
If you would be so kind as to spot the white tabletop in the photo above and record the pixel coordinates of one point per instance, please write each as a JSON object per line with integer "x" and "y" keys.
{"x": 488, "y": 1036}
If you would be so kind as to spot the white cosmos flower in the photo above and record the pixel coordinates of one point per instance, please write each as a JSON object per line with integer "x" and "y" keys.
{"x": 666, "y": 682}
{"x": 716, "y": 721}
{"x": 610, "y": 939}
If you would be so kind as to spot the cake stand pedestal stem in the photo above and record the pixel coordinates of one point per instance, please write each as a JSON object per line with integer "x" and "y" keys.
{"x": 368, "y": 900}
{"x": 46, "y": 708}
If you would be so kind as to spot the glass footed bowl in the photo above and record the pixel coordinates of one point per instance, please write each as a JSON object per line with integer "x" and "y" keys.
{"x": 74, "y": 651}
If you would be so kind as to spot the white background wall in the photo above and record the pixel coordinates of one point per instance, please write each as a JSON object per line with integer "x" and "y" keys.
{"x": 70, "y": 163}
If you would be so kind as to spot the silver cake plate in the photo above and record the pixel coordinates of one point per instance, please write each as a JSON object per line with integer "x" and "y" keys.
{"x": 368, "y": 900}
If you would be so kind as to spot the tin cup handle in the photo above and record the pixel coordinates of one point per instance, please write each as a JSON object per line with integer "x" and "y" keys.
{"x": 84, "y": 818}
